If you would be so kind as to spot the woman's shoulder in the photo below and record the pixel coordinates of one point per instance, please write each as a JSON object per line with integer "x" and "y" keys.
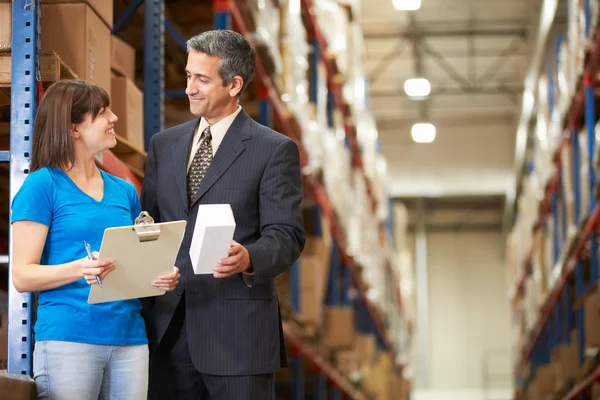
{"x": 122, "y": 183}
{"x": 42, "y": 176}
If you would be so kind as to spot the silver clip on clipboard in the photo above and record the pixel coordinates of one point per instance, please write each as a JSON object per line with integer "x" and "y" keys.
{"x": 141, "y": 253}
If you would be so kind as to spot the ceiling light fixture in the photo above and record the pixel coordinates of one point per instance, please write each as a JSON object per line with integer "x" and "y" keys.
{"x": 407, "y": 5}
{"x": 417, "y": 87}
{"x": 423, "y": 132}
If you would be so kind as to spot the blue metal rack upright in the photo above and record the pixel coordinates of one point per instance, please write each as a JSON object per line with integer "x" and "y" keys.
{"x": 24, "y": 91}
{"x": 154, "y": 71}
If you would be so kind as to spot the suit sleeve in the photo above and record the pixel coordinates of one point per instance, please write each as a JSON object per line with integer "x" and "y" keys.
{"x": 148, "y": 197}
{"x": 282, "y": 233}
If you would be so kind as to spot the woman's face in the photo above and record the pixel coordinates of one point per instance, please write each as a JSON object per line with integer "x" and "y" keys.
{"x": 98, "y": 135}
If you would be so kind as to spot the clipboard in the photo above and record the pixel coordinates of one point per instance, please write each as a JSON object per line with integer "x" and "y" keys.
{"x": 141, "y": 253}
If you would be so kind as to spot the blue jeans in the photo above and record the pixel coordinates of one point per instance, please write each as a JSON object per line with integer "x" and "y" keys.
{"x": 68, "y": 371}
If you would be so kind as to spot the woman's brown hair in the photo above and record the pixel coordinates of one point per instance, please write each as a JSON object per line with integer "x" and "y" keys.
{"x": 65, "y": 103}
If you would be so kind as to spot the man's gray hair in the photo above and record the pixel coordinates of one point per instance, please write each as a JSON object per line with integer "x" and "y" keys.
{"x": 236, "y": 54}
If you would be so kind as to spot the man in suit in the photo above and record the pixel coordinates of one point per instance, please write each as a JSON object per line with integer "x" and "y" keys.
{"x": 219, "y": 336}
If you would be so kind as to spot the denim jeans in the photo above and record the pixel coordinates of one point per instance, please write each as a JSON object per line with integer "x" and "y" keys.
{"x": 79, "y": 371}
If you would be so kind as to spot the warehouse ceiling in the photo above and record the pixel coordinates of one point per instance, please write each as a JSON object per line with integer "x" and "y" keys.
{"x": 475, "y": 55}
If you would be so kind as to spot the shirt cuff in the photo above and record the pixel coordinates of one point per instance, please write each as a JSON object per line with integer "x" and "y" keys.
{"x": 248, "y": 278}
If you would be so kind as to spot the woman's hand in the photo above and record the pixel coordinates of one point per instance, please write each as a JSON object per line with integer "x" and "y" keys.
{"x": 95, "y": 267}
{"x": 167, "y": 281}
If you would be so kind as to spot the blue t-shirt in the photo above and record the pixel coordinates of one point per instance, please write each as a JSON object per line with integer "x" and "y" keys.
{"x": 48, "y": 196}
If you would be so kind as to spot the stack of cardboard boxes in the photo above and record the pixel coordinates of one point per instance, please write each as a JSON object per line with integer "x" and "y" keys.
{"x": 5, "y": 25}
{"x": 332, "y": 328}
{"x": 80, "y": 33}
{"x": 314, "y": 275}
{"x": 357, "y": 356}
{"x": 12, "y": 386}
{"x": 127, "y": 98}
{"x": 380, "y": 379}
{"x": 564, "y": 370}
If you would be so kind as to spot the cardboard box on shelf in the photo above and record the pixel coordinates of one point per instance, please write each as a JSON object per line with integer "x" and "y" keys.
{"x": 81, "y": 40}
{"x": 103, "y": 8}
{"x": 3, "y": 341}
{"x": 3, "y": 350}
{"x": 365, "y": 347}
{"x": 311, "y": 297}
{"x": 347, "y": 361}
{"x": 122, "y": 58}
{"x": 595, "y": 391}
{"x": 591, "y": 320}
{"x": 545, "y": 380}
{"x": 378, "y": 377}
{"x": 533, "y": 391}
{"x": 311, "y": 309}
{"x": 17, "y": 387}
{"x": 565, "y": 362}
{"x": 5, "y": 25}
{"x": 338, "y": 327}
{"x": 127, "y": 102}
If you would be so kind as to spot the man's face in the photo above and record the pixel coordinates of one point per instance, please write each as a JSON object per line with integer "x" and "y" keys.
{"x": 208, "y": 97}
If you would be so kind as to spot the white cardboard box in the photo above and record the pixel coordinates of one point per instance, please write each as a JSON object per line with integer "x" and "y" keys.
{"x": 212, "y": 236}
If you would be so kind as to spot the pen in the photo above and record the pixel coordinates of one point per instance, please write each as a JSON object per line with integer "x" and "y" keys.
{"x": 88, "y": 250}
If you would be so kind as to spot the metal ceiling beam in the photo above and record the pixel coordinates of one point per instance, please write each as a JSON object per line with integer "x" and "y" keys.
{"x": 385, "y": 62}
{"x": 502, "y": 58}
{"x": 446, "y": 66}
{"x": 375, "y": 55}
{"x": 454, "y": 228}
{"x": 463, "y": 23}
{"x": 449, "y": 122}
{"x": 452, "y": 91}
{"x": 454, "y": 203}
{"x": 448, "y": 33}
{"x": 472, "y": 63}
{"x": 419, "y": 69}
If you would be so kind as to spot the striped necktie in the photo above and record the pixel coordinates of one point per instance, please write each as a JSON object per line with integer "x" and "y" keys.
{"x": 200, "y": 163}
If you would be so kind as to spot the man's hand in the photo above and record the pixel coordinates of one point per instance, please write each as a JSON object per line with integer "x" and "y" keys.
{"x": 167, "y": 281}
{"x": 237, "y": 262}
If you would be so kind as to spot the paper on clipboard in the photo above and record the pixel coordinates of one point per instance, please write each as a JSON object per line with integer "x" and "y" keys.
{"x": 141, "y": 253}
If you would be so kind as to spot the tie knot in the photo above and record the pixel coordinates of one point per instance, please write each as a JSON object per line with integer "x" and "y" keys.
{"x": 206, "y": 134}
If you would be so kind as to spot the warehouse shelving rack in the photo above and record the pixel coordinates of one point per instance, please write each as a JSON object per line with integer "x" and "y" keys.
{"x": 556, "y": 316}
{"x": 26, "y": 89}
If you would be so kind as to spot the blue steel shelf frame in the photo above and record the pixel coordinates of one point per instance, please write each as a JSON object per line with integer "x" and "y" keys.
{"x": 154, "y": 71}
{"x": 24, "y": 92}
{"x": 556, "y": 325}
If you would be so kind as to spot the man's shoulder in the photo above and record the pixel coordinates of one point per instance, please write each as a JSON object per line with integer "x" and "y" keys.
{"x": 175, "y": 131}
{"x": 268, "y": 136}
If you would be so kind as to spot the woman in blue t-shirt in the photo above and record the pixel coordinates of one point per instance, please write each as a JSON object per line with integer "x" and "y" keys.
{"x": 82, "y": 351}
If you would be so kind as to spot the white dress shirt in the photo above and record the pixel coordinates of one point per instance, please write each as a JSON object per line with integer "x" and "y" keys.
{"x": 217, "y": 132}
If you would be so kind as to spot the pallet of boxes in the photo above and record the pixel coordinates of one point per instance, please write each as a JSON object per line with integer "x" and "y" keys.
{"x": 80, "y": 32}
{"x": 12, "y": 386}
{"x": 564, "y": 370}
{"x": 312, "y": 280}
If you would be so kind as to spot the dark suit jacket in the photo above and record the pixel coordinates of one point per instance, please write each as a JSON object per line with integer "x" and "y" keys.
{"x": 232, "y": 329}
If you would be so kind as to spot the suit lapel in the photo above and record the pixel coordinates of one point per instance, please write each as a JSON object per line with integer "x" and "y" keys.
{"x": 180, "y": 153}
{"x": 229, "y": 150}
